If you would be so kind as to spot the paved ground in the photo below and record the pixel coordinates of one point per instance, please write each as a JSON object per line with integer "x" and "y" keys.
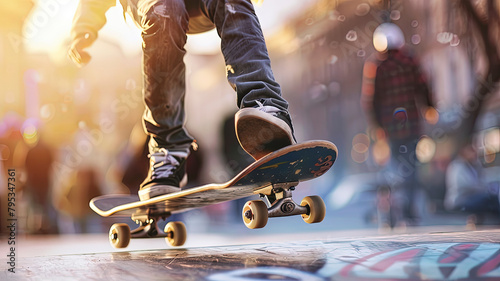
{"x": 418, "y": 254}
{"x": 345, "y": 246}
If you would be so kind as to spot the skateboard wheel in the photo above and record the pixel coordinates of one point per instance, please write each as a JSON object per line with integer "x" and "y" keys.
{"x": 176, "y": 233}
{"x": 255, "y": 214}
{"x": 119, "y": 235}
{"x": 316, "y": 207}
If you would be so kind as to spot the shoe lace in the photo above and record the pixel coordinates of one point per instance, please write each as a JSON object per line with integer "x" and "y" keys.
{"x": 268, "y": 108}
{"x": 162, "y": 164}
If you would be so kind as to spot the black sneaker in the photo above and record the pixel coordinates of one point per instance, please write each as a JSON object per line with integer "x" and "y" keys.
{"x": 167, "y": 174}
{"x": 263, "y": 129}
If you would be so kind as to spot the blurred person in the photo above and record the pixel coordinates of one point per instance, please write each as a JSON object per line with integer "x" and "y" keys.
{"x": 81, "y": 185}
{"x": 465, "y": 190}
{"x": 384, "y": 213}
{"x": 13, "y": 152}
{"x": 263, "y": 123}
{"x": 38, "y": 187}
{"x": 392, "y": 91}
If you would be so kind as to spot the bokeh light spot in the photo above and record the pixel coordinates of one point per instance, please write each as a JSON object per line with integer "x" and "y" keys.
{"x": 426, "y": 149}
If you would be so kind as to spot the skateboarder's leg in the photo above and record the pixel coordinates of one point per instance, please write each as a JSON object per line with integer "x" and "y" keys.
{"x": 163, "y": 25}
{"x": 249, "y": 73}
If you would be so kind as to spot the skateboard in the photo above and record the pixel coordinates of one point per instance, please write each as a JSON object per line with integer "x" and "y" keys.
{"x": 274, "y": 177}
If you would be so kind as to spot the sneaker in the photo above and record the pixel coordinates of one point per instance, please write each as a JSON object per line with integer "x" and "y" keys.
{"x": 263, "y": 129}
{"x": 167, "y": 174}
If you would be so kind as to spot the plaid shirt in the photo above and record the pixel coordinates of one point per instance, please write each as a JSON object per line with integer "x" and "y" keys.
{"x": 392, "y": 86}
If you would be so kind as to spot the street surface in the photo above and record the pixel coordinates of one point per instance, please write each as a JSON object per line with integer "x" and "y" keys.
{"x": 424, "y": 253}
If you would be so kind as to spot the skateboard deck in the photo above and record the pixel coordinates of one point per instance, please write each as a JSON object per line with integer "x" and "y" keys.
{"x": 275, "y": 176}
{"x": 292, "y": 164}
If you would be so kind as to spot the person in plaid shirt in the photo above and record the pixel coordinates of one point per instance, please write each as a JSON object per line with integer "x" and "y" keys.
{"x": 394, "y": 90}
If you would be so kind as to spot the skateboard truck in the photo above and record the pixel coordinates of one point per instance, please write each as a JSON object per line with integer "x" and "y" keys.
{"x": 174, "y": 232}
{"x": 147, "y": 228}
{"x": 282, "y": 203}
{"x": 286, "y": 207}
{"x": 148, "y": 224}
{"x": 277, "y": 202}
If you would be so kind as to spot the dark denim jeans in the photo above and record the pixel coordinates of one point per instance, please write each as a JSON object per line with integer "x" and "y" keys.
{"x": 164, "y": 25}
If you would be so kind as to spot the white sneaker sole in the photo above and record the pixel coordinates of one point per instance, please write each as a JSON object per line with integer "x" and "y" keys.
{"x": 158, "y": 190}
